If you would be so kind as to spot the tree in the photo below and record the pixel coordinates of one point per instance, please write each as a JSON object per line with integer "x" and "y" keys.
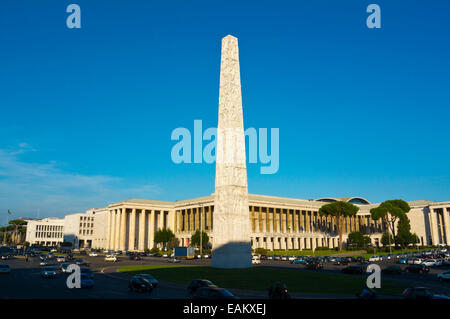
{"x": 195, "y": 239}
{"x": 339, "y": 210}
{"x": 163, "y": 236}
{"x": 358, "y": 239}
{"x": 387, "y": 239}
{"x": 174, "y": 242}
{"x": 389, "y": 211}
{"x": 404, "y": 235}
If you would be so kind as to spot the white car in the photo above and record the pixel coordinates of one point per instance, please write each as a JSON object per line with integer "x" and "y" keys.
{"x": 61, "y": 259}
{"x": 112, "y": 258}
{"x": 444, "y": 276}
{"x": 291, "y": 258}
{"x": 430, "y": 262}
{"x": 4, "y": 269}
{"x": 256, "y": 261}
{"x": 374, "y": 258}
{"x": 93, "y": 254}
{"x": 205, "y": 256}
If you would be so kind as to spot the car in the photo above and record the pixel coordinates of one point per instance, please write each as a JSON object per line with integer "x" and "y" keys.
{"x": 87, "y": 271}
{"x": 420, "y": 293}
{"x": 213, "y": 293}
{"x": 444, "y": 276}
{"x": 340, "y": 261}
{"x": 112, "y": 258}
{"x": 93, "y": 254}
{"x": 353, "y": 270}
{"x": 43, "y": 263}
{"x": 314, "y": 265}
{"x": 48, "y": 272}
{"x": 392, "y": 270}
{"x": 135, "y": 257}
{"x": 284, "y": 258}
{"x": 256, "y": 261}
{"x": 173, "y": 260}
{"x": 63, "y": 267}
{"x": 150, "y": 278}
{"x": 419, "y": 269}
{"x": 291, "y": 258}
{"x": 70, "y": 257}
{"x": 276, "y": 257}
{"x": 415, "y": 261}
{"x": 165, "y": 256}
{"x": 263, "y": 257}
{"x": 298, "y": 261}
{"x": 403, "y": 261}
{"x": 5, "y": 269}
{"x": 4, "y": 257}
{"x": 269, "y": 257}
{"x": 360, "y": 259}
{"x": 140, "y": 284}
{"x": 86, "y": 281}
{"x": 206, "y": 256}
{"x": 374, "y": 258}
{"x": 195, "y": 284}
{"x": 106, "y": 251}
{"x": 61, "y": 259}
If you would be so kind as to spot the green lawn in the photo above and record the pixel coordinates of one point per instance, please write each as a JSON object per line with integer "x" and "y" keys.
{"x": 259, "y": 278}
{"x": 303, "y": 252}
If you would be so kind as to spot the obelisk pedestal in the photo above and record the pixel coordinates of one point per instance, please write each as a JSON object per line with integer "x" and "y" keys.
{"x": 231, "y": 225}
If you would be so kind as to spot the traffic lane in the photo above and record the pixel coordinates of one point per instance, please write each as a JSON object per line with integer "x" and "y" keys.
{"x": 429, "y": 280}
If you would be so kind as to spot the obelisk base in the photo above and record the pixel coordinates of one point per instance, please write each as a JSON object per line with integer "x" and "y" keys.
{"x": 232, "y": 255}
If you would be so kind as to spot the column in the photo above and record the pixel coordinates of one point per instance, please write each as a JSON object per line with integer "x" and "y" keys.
{"x": 117, "y": 229}
{"x": 151, "y": 228}
{"x": 141, "y": 243}
{"x": 123, "y": 224}
{"x": 132, "y": 231}
{"x": 109, "y": 231}
{"x": 433, "y": 226}
{"x": 441, "y": 223}
{"x": 161, "y": 219}
{"x": 446, "y": 225}
{"x": 308, "y": 222}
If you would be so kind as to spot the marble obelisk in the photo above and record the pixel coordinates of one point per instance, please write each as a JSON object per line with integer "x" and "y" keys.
{"x": 231, "y": 225}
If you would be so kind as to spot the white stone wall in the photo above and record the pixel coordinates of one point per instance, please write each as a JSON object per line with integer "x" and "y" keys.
{"x": 48, "y": 231}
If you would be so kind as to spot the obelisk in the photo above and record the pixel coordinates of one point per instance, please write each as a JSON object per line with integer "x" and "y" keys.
{"x": 231, "y": 225}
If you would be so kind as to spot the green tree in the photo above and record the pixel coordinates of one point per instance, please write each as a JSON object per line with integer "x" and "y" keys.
{"x": 389, "y": 211}
{"x": 387, "y": 239}
{"x": 404, "y": 235}
{"x": 339, "y": 210}
{"x": 195, "y": 239}
{"x": 163, "y": 236}
{"x": 174, "y": 242}
{"x": 357, "y": 239}
{"x": 261, "y": 251}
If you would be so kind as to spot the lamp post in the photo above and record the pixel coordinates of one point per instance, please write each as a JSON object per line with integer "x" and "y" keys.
{"x": 201, "y": 229}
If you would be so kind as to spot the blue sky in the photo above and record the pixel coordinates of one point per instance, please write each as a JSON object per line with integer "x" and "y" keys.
{"x": 86, "y": 115}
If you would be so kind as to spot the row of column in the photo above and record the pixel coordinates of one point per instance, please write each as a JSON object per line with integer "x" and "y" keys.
{"x": 134, "y": 229}
{"x": 286, "y": 243}
{"x": 268, "y": 219}
{"x": 190, "y": 219}
{"x": 439, "y": 225}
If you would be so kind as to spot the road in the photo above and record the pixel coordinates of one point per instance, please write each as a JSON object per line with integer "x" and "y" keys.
{"x": 25, "y": 281}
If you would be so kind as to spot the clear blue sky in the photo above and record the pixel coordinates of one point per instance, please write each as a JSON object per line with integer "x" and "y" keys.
{"x": 86, "y": 115}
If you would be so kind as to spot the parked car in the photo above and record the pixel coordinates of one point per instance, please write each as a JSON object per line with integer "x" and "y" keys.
{"x": 213, "y": 293}
{"x": 63, "y": 267}
{"x": 61, "y": 259}
{"x": 392, "y": 270}
{"x": 140, "y": 284}
{"x": 444, "y": 276}
{"x": 195, "y": 284}
{"x": 420, "y": 293}
{"x": 314, "y": 265}
{"x": 43, "y": 263}
{"x": 403, "y": 261}
{"x": 112, "y": 258}
{"x": 375, "y": 258}
{"x": 135, "y": 257}
{"x": 93, "y": 254}
{"x": 419, "y": 269}
{"x": 256, "y": 261}
{"x": 298, "y": 261}
{"x": 291, "y": 258}
{"x": 150, "y": 278}
{"x": 353, "y": 270}
{"x": 4, "y": 257}
{"x": 5, "y": 269}
{"x": 173, "y": 260}
{"x": 48, "y": 272}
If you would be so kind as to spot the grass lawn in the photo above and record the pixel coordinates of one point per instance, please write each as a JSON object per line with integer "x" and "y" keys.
{"x": 259, "y": 278}
{"x": 303, "y": 252}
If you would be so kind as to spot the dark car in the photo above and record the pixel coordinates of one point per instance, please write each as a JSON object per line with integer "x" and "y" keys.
{"x": 213, "y": 293}
{"x": 135, "y": 257}
{"x": 418, "y": 269}
{"x": 140, "y": 284}
{"x": 263, "y": 257}
{"x": 340, "y": 262}
{"x": 195, "y": 284}
{"x": 86, "y": 271}
{"x": 70, "y": 257}
{"x": 358, "y": 270}
{"x": 418, "y": 293}
{"x": 392, "y": 270}
{"x": 314, "y": 265}
{"x": 360, "y": 259}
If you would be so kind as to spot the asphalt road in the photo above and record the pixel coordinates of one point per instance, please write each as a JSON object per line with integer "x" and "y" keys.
{"x": 25, "y": 281}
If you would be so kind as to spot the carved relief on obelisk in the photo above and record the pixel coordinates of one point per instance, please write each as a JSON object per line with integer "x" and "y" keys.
{"x": 231, "y": 228}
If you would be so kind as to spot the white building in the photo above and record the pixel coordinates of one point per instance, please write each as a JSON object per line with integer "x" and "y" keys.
{"x": 45, "y": 232}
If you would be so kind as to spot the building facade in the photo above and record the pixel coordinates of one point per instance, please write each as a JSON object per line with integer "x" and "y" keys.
{"x": 276, "y": 223}
{"x": 45, "y": 232}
